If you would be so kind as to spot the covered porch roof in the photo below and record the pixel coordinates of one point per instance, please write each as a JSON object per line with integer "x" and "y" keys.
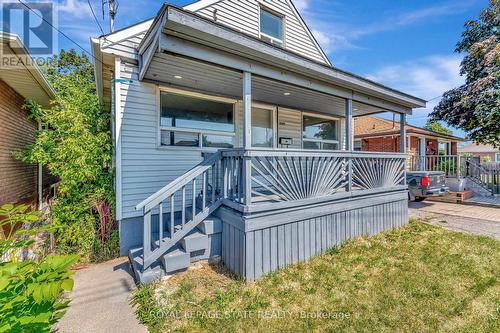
{"x": 180, "y": 45}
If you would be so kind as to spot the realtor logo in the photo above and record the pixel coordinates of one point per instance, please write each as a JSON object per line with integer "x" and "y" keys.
{"x": 34, "y": 23}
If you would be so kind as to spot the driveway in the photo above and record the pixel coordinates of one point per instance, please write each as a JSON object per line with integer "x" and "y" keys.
{"x": 100, "y": 300}
{"x": 466, "y": 218}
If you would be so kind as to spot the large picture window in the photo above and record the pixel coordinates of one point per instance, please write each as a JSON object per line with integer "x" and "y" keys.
{"x": 320, "y": 133}
{"x": 192, "y": 121}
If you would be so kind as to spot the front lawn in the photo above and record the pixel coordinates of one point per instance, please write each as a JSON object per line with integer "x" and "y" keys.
{"x": 417, "y": 278}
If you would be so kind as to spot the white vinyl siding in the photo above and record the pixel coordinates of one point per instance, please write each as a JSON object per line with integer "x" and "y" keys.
{"x": 126, "y": 48}
{"x": 245, "y": 17}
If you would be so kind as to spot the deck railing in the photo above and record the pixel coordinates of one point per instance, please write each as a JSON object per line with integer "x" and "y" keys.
{"x": 449, "y": 164}
{"x": 260, "y": 175}
{"x": 486, "y": 175}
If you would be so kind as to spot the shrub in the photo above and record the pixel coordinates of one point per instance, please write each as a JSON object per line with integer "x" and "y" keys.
{"x": 448, "y": 166}
{"x": 30, "y": 290}
{"x": 75, "y": 144}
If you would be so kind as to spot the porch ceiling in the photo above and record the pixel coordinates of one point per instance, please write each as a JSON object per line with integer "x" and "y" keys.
{"x": 182, "y": 72}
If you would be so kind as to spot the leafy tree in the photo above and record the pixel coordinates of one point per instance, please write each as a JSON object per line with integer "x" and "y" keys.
{"x": 30, "y": 290}
{"x": 437, "y": 127}
{"x": 76, "y": 146}
{"x": 475, "y": 106}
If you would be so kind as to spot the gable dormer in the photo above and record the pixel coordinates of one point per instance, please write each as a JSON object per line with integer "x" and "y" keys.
{"x": 274, "y": 21}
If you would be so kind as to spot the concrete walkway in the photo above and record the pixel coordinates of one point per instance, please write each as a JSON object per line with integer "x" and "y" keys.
{"x": 466, "y": 218}
{"x": 100, "y": 300}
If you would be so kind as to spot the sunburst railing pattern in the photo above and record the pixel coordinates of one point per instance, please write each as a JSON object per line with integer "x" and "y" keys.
{"x": 287, "y": 178}
{"x": 370, "y": 172}
{"x": 254, "y": 175}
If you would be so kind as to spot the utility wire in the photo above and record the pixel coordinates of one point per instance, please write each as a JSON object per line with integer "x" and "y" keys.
{"x": 430, "y": 100}
{"x": 59, "y": 31}
{"x": 95, "y": 17}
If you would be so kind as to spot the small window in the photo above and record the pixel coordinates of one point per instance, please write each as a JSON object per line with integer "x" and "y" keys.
{"x": 271, "y": 27}
{"x": 188, "y": 121}
{"x": 357, "y": 145}
{"x": 498, "y": 157}
{"x": 320, "y": 133}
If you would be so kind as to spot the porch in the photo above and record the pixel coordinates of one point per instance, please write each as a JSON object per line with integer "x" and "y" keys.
{"x": 257, "y": 200}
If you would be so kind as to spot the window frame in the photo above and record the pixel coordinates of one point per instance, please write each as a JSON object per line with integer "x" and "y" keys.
{"x": 199, "y": 132}
{"x": 360, "y": 144}
{"x": 274, "y": 113}
{"x": 283, "y": 26}
{"x": 321, "y": 141}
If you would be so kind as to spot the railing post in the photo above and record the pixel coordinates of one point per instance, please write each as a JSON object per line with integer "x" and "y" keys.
{"x": 247, "y": 179}
{"x": 348, "y": 186}
{"x": 146, "y": 237}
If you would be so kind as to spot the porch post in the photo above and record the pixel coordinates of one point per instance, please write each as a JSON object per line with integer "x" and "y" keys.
{"x": 247, "y": 138}
{"x": 402, "y": 134}
{"x": 247, "y": 110}
{"x": 422, "y": 154}
{"x": 348, "y": 125}
{"x": 348, "y": 142}
{"x": 402, "y": 141}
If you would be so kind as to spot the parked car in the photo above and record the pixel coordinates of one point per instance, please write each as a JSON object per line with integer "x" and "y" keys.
{"x": 424, "y": 184}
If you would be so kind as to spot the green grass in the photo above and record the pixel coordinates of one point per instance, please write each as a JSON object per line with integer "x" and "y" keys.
{"x": 418, "y": 278}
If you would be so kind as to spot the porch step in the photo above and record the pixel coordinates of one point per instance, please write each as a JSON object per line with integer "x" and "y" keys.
{"x": 211, "y": 225}
{"x": 151, "y": 274}
{"x": 196, "y": 245}
{"x": 195, "y": 241}
{"x": 176, "y": 259}
{"x": 476, "y": 187}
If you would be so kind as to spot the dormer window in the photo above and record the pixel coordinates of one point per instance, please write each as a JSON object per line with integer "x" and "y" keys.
{"x": 271, "y": 27}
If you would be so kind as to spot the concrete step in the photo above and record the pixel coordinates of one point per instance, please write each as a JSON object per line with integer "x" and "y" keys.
{"x": 151, "y": 274}
{"x": 175, "y": 260}
{"x": 211, "y": 225}
{"x": 195, "y": 241}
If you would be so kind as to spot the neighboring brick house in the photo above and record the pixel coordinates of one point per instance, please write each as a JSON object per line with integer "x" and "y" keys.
{"x": 19, "y": 182}
{"x": 383, "y": 135}
{"x": 486, "y": 153}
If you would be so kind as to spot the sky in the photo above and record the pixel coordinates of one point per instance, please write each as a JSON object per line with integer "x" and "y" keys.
{"x": 404, "y": 44}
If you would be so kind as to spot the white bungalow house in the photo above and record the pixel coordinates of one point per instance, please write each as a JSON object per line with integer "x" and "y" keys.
{"x": 233, "y": 140}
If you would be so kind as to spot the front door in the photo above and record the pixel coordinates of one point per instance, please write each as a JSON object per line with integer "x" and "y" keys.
{"x": 263, "y": 126}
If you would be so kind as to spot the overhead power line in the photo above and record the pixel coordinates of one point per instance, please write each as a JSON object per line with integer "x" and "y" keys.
{"x": 95, "y": 18}
{"x": 58, "y": 30}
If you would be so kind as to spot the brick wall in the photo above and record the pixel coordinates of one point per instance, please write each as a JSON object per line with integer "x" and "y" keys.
{"x": 454, "y": 148}
{"x": 385, "y": 144}
{"x": 18, "y": 180}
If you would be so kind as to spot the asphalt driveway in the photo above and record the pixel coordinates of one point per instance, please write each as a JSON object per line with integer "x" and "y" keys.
{"x": 466, "y": 218}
